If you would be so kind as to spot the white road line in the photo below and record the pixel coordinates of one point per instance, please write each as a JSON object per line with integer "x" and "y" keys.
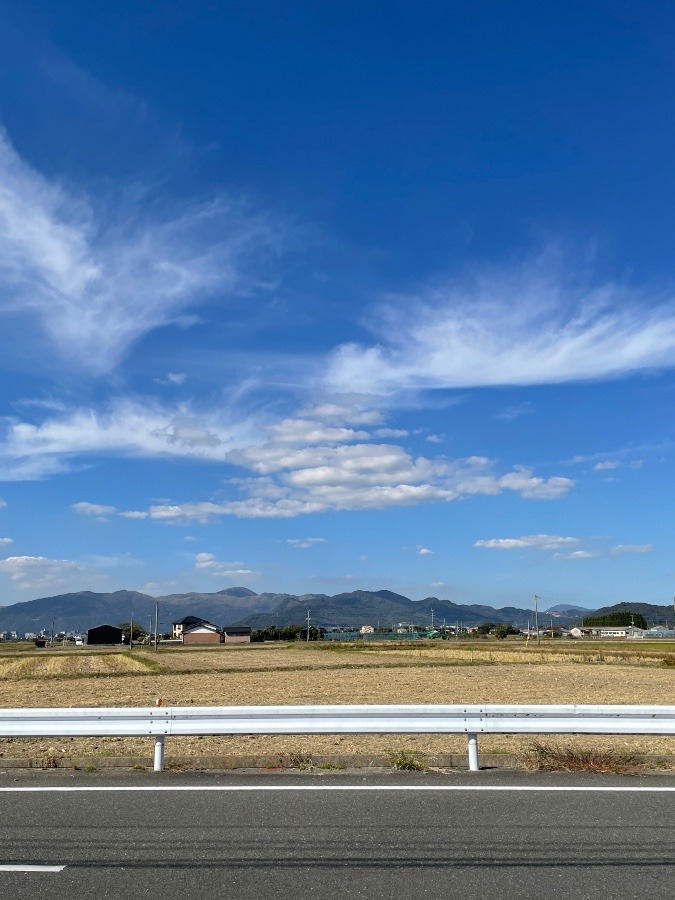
{"x": 32, "y": 868}
{"x": 268, "y": 788}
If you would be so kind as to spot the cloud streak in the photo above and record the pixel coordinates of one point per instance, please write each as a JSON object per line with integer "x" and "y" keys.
{"x": 98, "y": 277}
{"x": 527, "y": 542}
{"x": 527, "y": 325}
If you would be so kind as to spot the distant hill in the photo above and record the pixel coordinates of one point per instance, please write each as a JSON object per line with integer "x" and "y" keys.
{"x": 241, "y": 606}
{"x": 80, "y": 611}
{"x": 654, "y": 614}
{"x": 385, "y": 609}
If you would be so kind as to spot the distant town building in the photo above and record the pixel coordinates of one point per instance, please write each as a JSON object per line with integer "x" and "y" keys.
{"x": 367, "y": 629}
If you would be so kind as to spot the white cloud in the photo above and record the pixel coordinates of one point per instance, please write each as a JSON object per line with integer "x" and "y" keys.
{"x": 538, "y": 541}
{"x": 607, "y": 465}
{"x": 521, "y": 326}
{"x": 353, "y": 413}
{"x": 619, "y": 549}
{"x": 93, "y": 509}
{"x": 207, "y": 562}
{"x": 6, "y": 540}
{"x": 511, "y": 413}
{"x": 38, "y": 572}
{"x": 391, "y": 432}
{"x": 97, "y": 277}
{"x": 134, "y": 514}
{"x": 2, "y": 503}
{"x": 175, "y": 378}
{"x": 424, "y": 551}
{"x": 125, "y": 427}
{"x": 435, "y": 438}
{"x": 305, "y": 543}
{"x": 297, "y": 466}
{"x": 576, "y": 554}
{"x": 360, "y": 476}
{"x": 437, "y": 584}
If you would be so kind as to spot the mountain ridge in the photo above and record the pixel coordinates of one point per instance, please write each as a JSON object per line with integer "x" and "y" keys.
{"x": 82, "y": 610}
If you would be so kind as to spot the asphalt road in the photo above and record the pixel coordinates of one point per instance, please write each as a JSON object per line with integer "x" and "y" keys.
{"x": 376, "y": 836}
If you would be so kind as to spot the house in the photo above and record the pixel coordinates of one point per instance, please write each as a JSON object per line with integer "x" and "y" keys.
{"x": 367, "y": 629}
{"x": 104, "y": 634}
{"x": 201, "y": 633}
{"x": 186, "y": 622}
{"x": 237, "y": 634}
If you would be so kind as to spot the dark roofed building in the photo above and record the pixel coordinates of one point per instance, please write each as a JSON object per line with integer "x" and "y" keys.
{"x": 104, "y": 634}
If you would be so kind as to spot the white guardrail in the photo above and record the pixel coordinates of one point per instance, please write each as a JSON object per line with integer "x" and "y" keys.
{"x": 472, "y": 720}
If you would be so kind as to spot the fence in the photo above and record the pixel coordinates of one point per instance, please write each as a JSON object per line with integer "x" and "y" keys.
{"x": 472, "y": 720}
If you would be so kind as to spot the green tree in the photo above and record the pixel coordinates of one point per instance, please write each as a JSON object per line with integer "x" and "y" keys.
{"x": 615, "y": 620}
{"x": 503, "y": 631}
{"x": 138, "y": 634}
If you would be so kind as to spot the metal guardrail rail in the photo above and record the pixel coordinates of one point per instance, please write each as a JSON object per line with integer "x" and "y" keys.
{"x": 162, "y": 721}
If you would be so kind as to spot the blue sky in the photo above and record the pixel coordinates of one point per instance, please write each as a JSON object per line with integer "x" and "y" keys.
{"x": 315, "y": 297}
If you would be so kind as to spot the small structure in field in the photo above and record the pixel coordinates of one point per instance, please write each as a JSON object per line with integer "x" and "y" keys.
{"x": 104, "y": 634}
{"x": 202, "y": 633}
{"x": 237, "y": 634}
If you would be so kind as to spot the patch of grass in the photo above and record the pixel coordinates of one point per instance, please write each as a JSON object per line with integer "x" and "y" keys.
{"x": 306, "y": 763}
{"x": 139, "y": 767}
{"x": 541, "y": 757}
{"x": 330, "y": 766}
{"x": 403, "y": 761}
{"x": 90, "y": 768}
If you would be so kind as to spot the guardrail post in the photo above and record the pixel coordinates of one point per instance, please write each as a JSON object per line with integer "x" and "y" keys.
{"x": 159, "y": 753}
{"x": 473, "y": 752}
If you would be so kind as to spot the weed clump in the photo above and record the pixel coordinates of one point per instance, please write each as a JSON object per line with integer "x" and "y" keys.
{"x": 541, "y": 757}
{"x": 403, "y": 761}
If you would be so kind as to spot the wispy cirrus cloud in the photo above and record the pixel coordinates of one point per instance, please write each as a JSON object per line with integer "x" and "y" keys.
{"x": 98, "y": 276}
{"x": 37, "y": 572}
{"x": 140, "y": 427}
{"x": 620, "y": 549}
{"x": 527, "y": 542}
{"x": 576, "y": 554}
{"x": 305, "y": 543}
{"x": 527, "y": 325}
{"x": 102, "y": 512}
{"x": 207, "y": 562}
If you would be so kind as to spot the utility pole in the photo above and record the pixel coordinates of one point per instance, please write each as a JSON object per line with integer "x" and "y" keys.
{"x": 536, "y": 617}
{"x": 156, "y": 622}
{"x": 308, "y": 625}
{"x": 432, "y": 620}
{"x": 131, "y": 630}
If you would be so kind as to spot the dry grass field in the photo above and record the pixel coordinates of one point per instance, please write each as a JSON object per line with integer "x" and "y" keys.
{"x": 306, "y": 674}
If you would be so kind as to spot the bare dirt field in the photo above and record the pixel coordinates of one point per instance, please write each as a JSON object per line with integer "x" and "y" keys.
{"x": 300, "y": 674}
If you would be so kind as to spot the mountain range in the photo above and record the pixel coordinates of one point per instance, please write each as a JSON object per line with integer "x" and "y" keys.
{"x": 80, "y": 611}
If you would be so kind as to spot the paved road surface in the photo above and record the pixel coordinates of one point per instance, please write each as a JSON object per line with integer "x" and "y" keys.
{"x": 304, "y": 836}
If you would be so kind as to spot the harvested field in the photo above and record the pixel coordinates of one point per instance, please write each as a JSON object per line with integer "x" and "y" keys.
{"x": 70, "y": 665}
{"x": 306, "y": 675}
